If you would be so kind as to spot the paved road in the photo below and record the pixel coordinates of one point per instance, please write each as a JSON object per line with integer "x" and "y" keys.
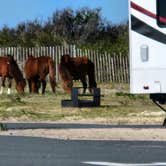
{"x": 27, "y": 151}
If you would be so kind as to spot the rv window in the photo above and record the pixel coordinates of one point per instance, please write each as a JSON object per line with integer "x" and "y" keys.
{"x": 161, "y": 13}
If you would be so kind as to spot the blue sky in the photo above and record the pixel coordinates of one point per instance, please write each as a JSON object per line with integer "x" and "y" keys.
{"x": 13, "y": 12}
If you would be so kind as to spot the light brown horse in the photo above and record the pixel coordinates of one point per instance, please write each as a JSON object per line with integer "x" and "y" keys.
{"x": 9, "y": 69}
{"x": 36, "y": 70}
{"x": 76, "y": 69}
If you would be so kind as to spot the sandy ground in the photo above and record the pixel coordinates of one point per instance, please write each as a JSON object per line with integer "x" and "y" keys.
{"x": 152, "y": 134}
{"x": 110, "y": 132}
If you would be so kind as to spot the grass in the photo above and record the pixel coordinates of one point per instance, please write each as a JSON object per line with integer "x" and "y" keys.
{"x": 3, "y": 127}
{"x": 117, "y": 106}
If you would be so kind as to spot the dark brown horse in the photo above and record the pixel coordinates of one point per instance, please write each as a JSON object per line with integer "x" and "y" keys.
{"x": 36, "y": 70}
{"x": 9, "y": 69}
{"x": 76, "y": 69}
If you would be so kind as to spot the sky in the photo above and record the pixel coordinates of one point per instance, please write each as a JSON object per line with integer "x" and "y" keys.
{"x": 13, "y": 12}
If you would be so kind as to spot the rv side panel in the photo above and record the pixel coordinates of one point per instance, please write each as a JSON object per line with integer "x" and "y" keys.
{"x": 147, "y": 47}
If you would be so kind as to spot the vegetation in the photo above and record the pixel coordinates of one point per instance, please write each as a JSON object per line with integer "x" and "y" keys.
{"x": 3, "y": 127}
{"x": 117, "y": 106}
{"x": 84, "y": 28}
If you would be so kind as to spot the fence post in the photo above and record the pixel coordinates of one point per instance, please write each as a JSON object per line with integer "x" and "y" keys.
{"x": 108, "y": 68}
{"x": 74, "y": 51}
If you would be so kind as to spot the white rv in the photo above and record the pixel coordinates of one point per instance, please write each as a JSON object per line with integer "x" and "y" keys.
{"x": 147, "y": 32}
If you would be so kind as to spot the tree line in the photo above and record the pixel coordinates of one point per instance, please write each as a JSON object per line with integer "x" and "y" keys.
{"x": 85, "y": 28}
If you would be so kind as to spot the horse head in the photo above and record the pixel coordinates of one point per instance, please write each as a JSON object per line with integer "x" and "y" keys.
{"x": 20, "y": 86}
{"x": 16, "y": 73}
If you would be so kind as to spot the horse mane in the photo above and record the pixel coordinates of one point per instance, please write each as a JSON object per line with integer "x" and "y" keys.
{"x": 15, "y": 70}
{"x": 65, "y": 59}
{"x": 64, "y": 72}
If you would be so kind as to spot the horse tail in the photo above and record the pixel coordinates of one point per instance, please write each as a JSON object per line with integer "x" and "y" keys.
{"x": 52, "y": 74}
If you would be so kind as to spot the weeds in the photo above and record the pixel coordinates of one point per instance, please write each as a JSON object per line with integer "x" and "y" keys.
{"x": 114, "y": 104}
{"x": 3, "y": 127}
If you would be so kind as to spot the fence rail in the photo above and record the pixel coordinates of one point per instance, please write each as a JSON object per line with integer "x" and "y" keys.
{"x": 108, "y": 67}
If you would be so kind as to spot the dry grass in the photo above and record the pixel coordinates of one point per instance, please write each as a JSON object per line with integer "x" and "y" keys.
{"x": 117, "y": 106}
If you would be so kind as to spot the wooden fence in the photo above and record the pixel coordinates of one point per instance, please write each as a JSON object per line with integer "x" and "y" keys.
{"x": 108, "y": 67}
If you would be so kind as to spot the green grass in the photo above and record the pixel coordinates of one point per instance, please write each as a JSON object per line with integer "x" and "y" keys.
{"x": 117, "y": 106}
{"x": 3, "y": 127}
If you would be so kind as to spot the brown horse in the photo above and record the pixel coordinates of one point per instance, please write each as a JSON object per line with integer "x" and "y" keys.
{"x": 9, "y": 69}
{"x": 76, "y": 69}
{"x": 36, "y": 70}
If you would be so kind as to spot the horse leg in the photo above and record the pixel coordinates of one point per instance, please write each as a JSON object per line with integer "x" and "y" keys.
{"x": 33, "y": 85}
{"x": 3, "y": 85}
{"x": 37, "y": 85}
{"x": 9, "y": 86}
{"x": 92, "y": 82}
{"x": 83, "y": 80}
{"x": 53, "y": 84}
{"x": 29, "y": 85}
{"x": 43, "y": 86}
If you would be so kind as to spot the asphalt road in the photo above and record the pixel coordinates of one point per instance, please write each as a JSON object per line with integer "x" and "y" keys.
{"x": 28, "y": 151}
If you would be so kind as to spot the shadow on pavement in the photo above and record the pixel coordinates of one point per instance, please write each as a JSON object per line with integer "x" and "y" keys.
{"x": 74, "y": 126}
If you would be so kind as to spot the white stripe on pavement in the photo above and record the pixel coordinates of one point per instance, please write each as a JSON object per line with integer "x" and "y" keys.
{"x": 123, "y": 164}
